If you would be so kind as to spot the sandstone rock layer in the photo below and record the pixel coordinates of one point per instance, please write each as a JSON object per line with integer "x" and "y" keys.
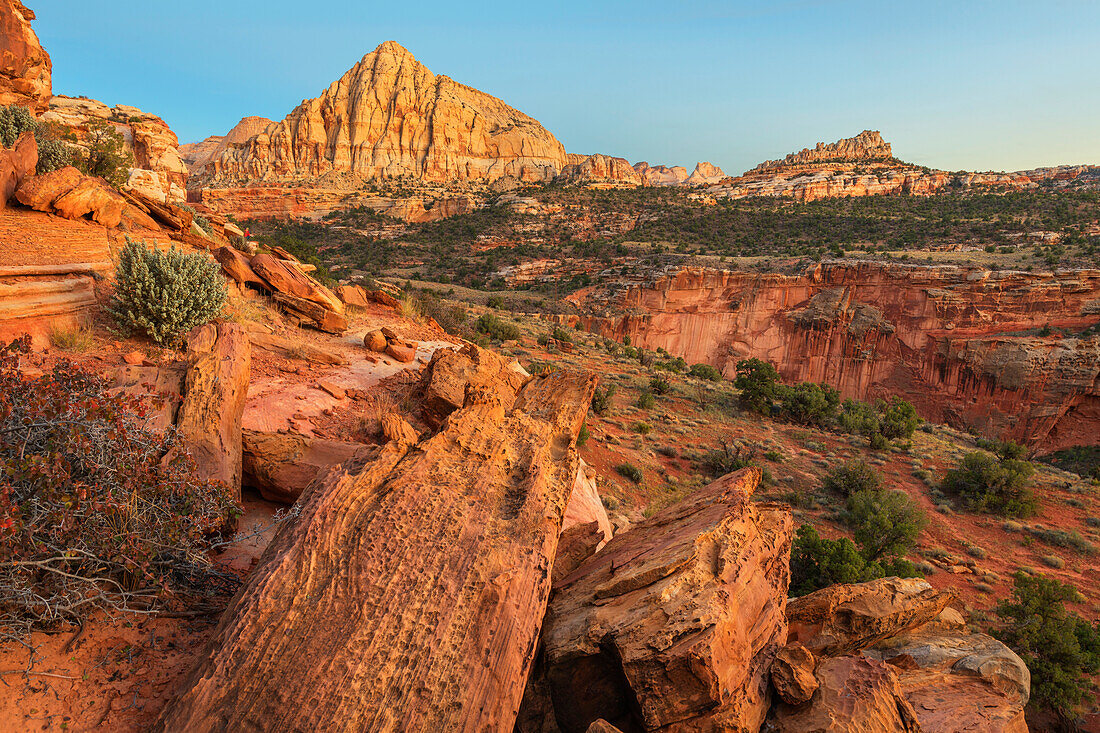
{"x": 25, "y": 68}
{"x": 674, "y": 624}
{"x": 407, "y": 595}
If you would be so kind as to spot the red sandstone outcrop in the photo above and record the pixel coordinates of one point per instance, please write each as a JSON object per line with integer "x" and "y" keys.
{"x": 451, "y": 373}
{"x": 599, "y": 168}
{"x": 661, "y": 175}
{"x": 894, "y": 654}
{"x": 214, "y": 394}
{"x": 867, "y": 146}
{"x": 158, "y": 171}
{"x": 390, "y": 117}
{"x": 281, "y": 465}
{"x": 70, "y": 194}
{"x": 945, "y": 337}
{"x": 408, "y": 594}
{"x": 25, "y": 68}
{"x": 646, "y": 634}
{"x": 16, "y": 164}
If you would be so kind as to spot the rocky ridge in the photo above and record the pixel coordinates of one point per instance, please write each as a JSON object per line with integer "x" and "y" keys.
{"x": 25, "y": 67}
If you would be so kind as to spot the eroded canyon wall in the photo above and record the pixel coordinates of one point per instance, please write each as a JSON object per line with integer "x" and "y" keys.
{"x": 953, "y": 340}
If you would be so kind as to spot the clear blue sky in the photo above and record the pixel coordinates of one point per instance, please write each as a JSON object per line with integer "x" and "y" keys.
{"x": 962, "y": 84}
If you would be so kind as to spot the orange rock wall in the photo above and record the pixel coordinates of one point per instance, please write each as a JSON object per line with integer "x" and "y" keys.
{"x": 946, "y": 338}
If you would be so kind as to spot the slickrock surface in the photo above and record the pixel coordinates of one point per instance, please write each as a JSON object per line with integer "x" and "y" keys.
{"x": 388, "y": 117}
{"x": 910, "y": 654}
{"x": 407, "y": 595}
{"x": 25, "y": 68}
{"x": 214, "y": 396}
{"x": 682, "y": 613}
{"x": 946, "y": 338}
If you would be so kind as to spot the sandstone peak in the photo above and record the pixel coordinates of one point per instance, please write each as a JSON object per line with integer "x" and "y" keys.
{"x": 866, "y": 146}
{"x": 25, "y": 67}
{"x": 390, "y": 117}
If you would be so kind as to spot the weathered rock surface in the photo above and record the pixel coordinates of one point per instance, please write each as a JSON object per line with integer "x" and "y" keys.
{"x": 661, "y": 175}
{"x": 389, "y": 117}
{"x": 39, "y": 192}
{"x": 674, "y": 624}
{"x": 214, "y": 395}
{"x": 946, "y": 338}
{"x": 25, "y": 68}
{"x": 585, "y": 505}
{"x": 281, "y": 465}
{"x": 236, "y": 265}
{"x": 407, "y": 594}
{"x": 196, "y": 155}
{"x": 16, "y": 164}
{"x": 843, "y": 618}
{"x": 451, "y": 372}
{"x": 793, "y": 674}
{"x": 854, "y": 695}
{"x": 913, "y": 648}
{"x": 72, "y": 195}
{"x": 295, "y": 349}
{"x": 704, "y": 174}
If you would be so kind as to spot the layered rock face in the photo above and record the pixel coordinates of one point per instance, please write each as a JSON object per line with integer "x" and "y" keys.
{"x": 25, "y": 68}
{"x": 600, "y": 168}
{"x": 390, "y": 117}
{"x": 865, "y": 147}
{"x": 893, "y": 655}
{"x": 674, "y": 624}
{"x": 408, "y": 594}
{"x": 705, "y": 173}
{"x": 158, "y": 170}
{"x": 196, "y": 155}
{"x": 661, "y": 175}
{"x": 946, "y": 338}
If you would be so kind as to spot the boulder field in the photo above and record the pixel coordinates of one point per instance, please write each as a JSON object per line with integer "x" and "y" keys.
{"x": 960, "y": 343}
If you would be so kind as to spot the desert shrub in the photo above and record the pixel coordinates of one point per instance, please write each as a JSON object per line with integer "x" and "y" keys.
{"x": 423, "y": 305}
{"x": 758, "y": 381}
{"x": 1060, "y": 648}
{"x": 730, "y": 456}
{"x": 817, "y": 563}
{"x": 92, "y": 514}
{"x": 669, "y": 451}
{"x": 71, "y": 339}
{"x": 496, "y": 327}
{"x": 105, "y": 154}
{"x": 52, "y": 152}
{"x": 774, "y": 456}
{"x": 852, "y": 477}
{"x": 879, "y": 423}
{"x": 660, "y": 385}
{"x": 884, "y": 523}
{"x": 560, "y": 334}
{"x": 601, "y": 399}
{"x": 898, "y": 418}
{"x": 646, "y": 400}
{"x": 705, "y": 371}
{"x": 985, "y": 483}
{"x": 858, "y": 418}
{"x": 583, "y": 435}
{"x": 495, "y": 301}
{"x": 643, "y": 428}
{"x": 165, "y": 294}
{"x": 1003, "y": 448}
{"x": 809, "y": 403}
{"x": 1053, "y": 561}
{"x": 629, "y": 471}
{"x": 14, "y": 121}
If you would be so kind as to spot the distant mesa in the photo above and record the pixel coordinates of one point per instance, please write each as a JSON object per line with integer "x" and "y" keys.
{"x": 197, "y": 155}
{"x": 868, "y": 146}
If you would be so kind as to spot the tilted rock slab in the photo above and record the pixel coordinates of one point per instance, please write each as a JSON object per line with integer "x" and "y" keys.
{"x": 408, "y": 595}
{"x": 674, "y": 624}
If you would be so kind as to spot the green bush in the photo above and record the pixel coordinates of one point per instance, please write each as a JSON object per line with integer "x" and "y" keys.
{"x": 851, "y": 478}
{"x": 583, "y": 435}
{"x": 106, "y": 155}
{"x": 1060, "y": 648}
{"x": 660, "y": 385}
{"x": 884, "y": 523}
{"x": 758, "y": 381}
{"x": 985, "y": 483}
{"x": 165, "y": 294}
{"x": 495, "y": 301}
{"x": 646, "y": 400}
{"x": 14, "y": 121}
{"x": 705, "y": 371}
{"x": 496, "y": 327}
{"x": 560, "y": 334}
{"x": 817, "y": 563}
{"x": 1003, "y": 448}
{"x": 643, "y": 428}
{"x": 601, "y": 399}
{"x": 727, "y": 458}
{"x": 629, "y": 471}
{"x": 898, "y": 418}
{"x": 809, "y": 403}
{"x": 52, "y": 152}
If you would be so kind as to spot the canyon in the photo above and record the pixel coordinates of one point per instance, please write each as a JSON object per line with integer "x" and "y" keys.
{"x": 953, "y": 340}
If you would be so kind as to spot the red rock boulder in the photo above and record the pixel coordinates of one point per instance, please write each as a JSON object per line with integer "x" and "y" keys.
{"x": 16, "y": 164}
{"x": 281, "y": 465}
{"x": 91, "y": 196}
{"x": 39, "y": 192}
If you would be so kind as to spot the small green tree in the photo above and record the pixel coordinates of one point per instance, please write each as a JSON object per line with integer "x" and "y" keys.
{"x": 809, "y": 404}
{"x": 757, "y": 381}
{"x": 165, "y": 294}
{"x": 705, "y": 371}
{"x": 1060, "y": 648}
{"x": 884, "y": 523}
{"x": 899, "y": 418}
{"x": 660, "y": 385}
{"x": 106, "y": 155}
{"x": 987, "y": 484}
{"x": 601, "y": 399}
{"x": 730, "y": 456}
{"x": 852, "y": 477}
{"x": 817, "y": 562}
